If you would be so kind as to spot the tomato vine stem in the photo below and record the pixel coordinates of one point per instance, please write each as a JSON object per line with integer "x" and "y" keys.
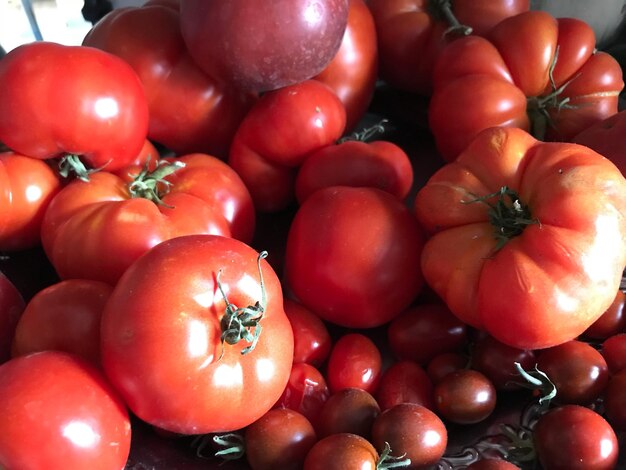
{"x": 152, "y": 185}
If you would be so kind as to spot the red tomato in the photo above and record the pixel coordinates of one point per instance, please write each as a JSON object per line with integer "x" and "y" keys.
{"x": 195, "y": 338}
{"x": 268, "y": 148}
{"x": 528, "y": 239}
{"x": 190, "y": 111}
{"x": 614, "y": 352}
{"x": 57, "y": 412}
{"x": 352, "y": 256}
{"x": 612, "y": 321}
{"x": 64, "y": 317}
{"x": 405, "y": 382}
{"x": 615, "y": 401}
{"x": 28, "y": 185}
{"x": 412, "y": 33}
{"x": 355, "y": 362}
{"x": 340, "y": 452}
{"x": 353, "y": 71}
{"x": 312, "y": 341}
{"x": 481, "y": 83}
{"x": 11, "y": 307}
{"x": 99, "y": 96}
{"x": 605, "y": 137}
{"x": 378, "y": 164}
{"x": 96, "y": 229}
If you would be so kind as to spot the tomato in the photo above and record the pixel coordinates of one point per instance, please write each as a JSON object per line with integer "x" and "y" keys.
{"x": 492, "y": 464}
{"x": 577, "y": 369}
{"x": 612, "y": 321}
{"x": 604, "y": 138}
{"x": 190, "y": 110}
{"x": 231, "y": 39}
{"x": 267, "y": 148}
{"x": 11, "y": 307}
{"x": 572, "y": 437}
{"x": 186, "y": 343}
{"x": 95, "y": 229}
{"x": 341, "y": 451}
{"x": 465, "y": 396}
{"x": 405, "y": 382}
{"x": 58, "y": 411}
{"x": 65, "y": 317}
{"x": 442, "y": 364}
{"x": 362, "y": 269}
{"x": 28, "y": 185}
{"x": 354, "y": 362}
{"x": 528, "y": 239}
{"x": 615, "y": 401}
{"x": 353, "y": 71}
{"x": 614, "y": 352}
{"x": 312, "y": 341}
{"x": 412, "y": 33}
{"x": 429, "y": 436}
{"x": 378, "y": 164}
{"x": 99, "y": 96}
{"x": 424, "y": 331}
{"x": 481, "y": 83}
{"x": 281, "y": 438}
{"x": 351, "y": 410}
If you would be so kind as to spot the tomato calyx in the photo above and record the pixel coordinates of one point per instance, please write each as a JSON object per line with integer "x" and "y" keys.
{"x": 231, "y": 445}
{"x": 152, "y": 185}
{"x": 539, "y": 381}
{"x": 72, "y": 164}
{"x": 386, "y": 460}
{"x": 366, "y": 134}
{"x": 508, "y": 215}
{"x": 442, "y": 11}
{"x": 243, "y": 323}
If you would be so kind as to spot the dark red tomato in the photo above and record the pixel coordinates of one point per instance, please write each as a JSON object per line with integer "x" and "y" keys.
{"x": 64, "y": 317}
{"x": 28, "y": 185}
{"x": 424, "y": 331}
{"x": 412, "y": 33}
{"x": 614, "y": 352}
{"x": 428, "y": 435}
{"x": 442, "y": 364}
{"x": 306, "y": 391}
{"x": 203, "y": 310}
{"x": 361, "y": 270}
{"x": 263, "y": 46}
{"x": 268, "y": 147}
{"x": 573, "y": 437}
{"x": 11, "y": 307}
{"x": 612, "y": 322}
{"x": 615, "y": 401}
{"x": 280, "y": 439}
{"x": 311, "y": 340}
{"x": 578, "y": 371}
{"x": 353, "y": 71}
{"x": 351, "y": 410}
{"x": 605, "y": 138}
{"x": 101, "y": 99}
{"x": 405, "y": 382}
{"x": 340, "y": 452}
{"x": 497, "y": 361}
{"x": 378, "y": 164}
{"x": 492, "y": 464}
{"x": 95, "y": 229}
{"x": 57, "y": 411}
{"x": 190, "y": 111}
{"x": 354, "y": 362}
{"x": 465, "y": 396}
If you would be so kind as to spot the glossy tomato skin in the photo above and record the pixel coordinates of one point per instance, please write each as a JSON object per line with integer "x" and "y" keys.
{"x": 353, "y": 71}
{"x": 354, "y": 362}
{"x": 405, "y": 382}
{"x": 488, "y": 287}
{"x": 104, "y": 108}
{"x": 190, "y": 110}
{"x": 362, "y": 269}
{"x": 465, "y": 396}
{"x": 522, "y": 82}
{"x": 411, "y": 35}
{"x": 615, "y": 401}
{"x": 614, "y": 352}
{"x": 341, "y": 451}
{"x": 231, "y": 39}
{"x": 28, "y": 185}
{"x": 350, "y": 410}
{"x": 267, "y": 148}
{"x": 96, "y": 229}
{"x": 64, "y": 317}
{"x": 161, "y": 328}
{"x": 612, "y": 321}
{"x": 63, "y": 407}
{"x": 11, "y": 307}
{"x": 312, "y": 341}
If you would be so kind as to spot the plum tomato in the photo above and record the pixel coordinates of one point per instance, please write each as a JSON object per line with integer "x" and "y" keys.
{"x": 354, "y": 361}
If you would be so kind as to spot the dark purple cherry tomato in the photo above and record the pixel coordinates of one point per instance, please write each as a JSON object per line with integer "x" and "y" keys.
{"x": 612, "y": 322}
{"x": 442, "y": 364}
{"x": 614, "y": 352}
{"x": 341, "y": 452}
{"x": 615, "y": 401}
{"x": 465, "y": 396}
{"x": 405, "y": 382}
{"x": 350, "y": 410}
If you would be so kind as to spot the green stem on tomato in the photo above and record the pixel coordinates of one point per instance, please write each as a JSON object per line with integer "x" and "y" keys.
{"x": 152, "y": 185}
{"x": 442, "y": 10}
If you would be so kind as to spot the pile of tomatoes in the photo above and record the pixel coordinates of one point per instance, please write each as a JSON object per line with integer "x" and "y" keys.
{"x": 337, "y": 234}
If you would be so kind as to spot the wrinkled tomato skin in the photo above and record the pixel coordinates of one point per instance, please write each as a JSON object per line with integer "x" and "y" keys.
{"x": 11, "y": 307}
{"x": 161, "y": 331}
{"x": 101, "y": 99}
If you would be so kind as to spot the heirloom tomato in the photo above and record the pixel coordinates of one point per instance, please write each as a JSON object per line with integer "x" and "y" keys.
{"x": 412, "y": 33}
{"x": 190, "y": 110}
{"x": 606, "y": 138}
{"x": 11, "y": 307}
{"x": 94, "y": 107}
{"x": 27, "y": 187}
{"x": 95, "y": 229}
{"x": 528, "y": 239}
{"x": 533, "y": 71}
{"x": 195, "y": 338}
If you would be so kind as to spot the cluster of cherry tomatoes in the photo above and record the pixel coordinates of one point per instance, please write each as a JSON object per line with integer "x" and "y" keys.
{"x": 466, "y": 316}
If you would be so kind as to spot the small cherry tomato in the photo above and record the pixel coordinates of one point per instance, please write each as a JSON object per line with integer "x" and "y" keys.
{"x": 341, "y": 452}
{"x": 465, "y": 396}
{"x": 312, "y": 341}
{"x": 615, "y": 401}
{"x": 354, "y": 361}
{"x": 612, "y": 321}
{"x": 614, "y": 352}
{"x": 351, "y": 410}
{"x": 405, "y": 382}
